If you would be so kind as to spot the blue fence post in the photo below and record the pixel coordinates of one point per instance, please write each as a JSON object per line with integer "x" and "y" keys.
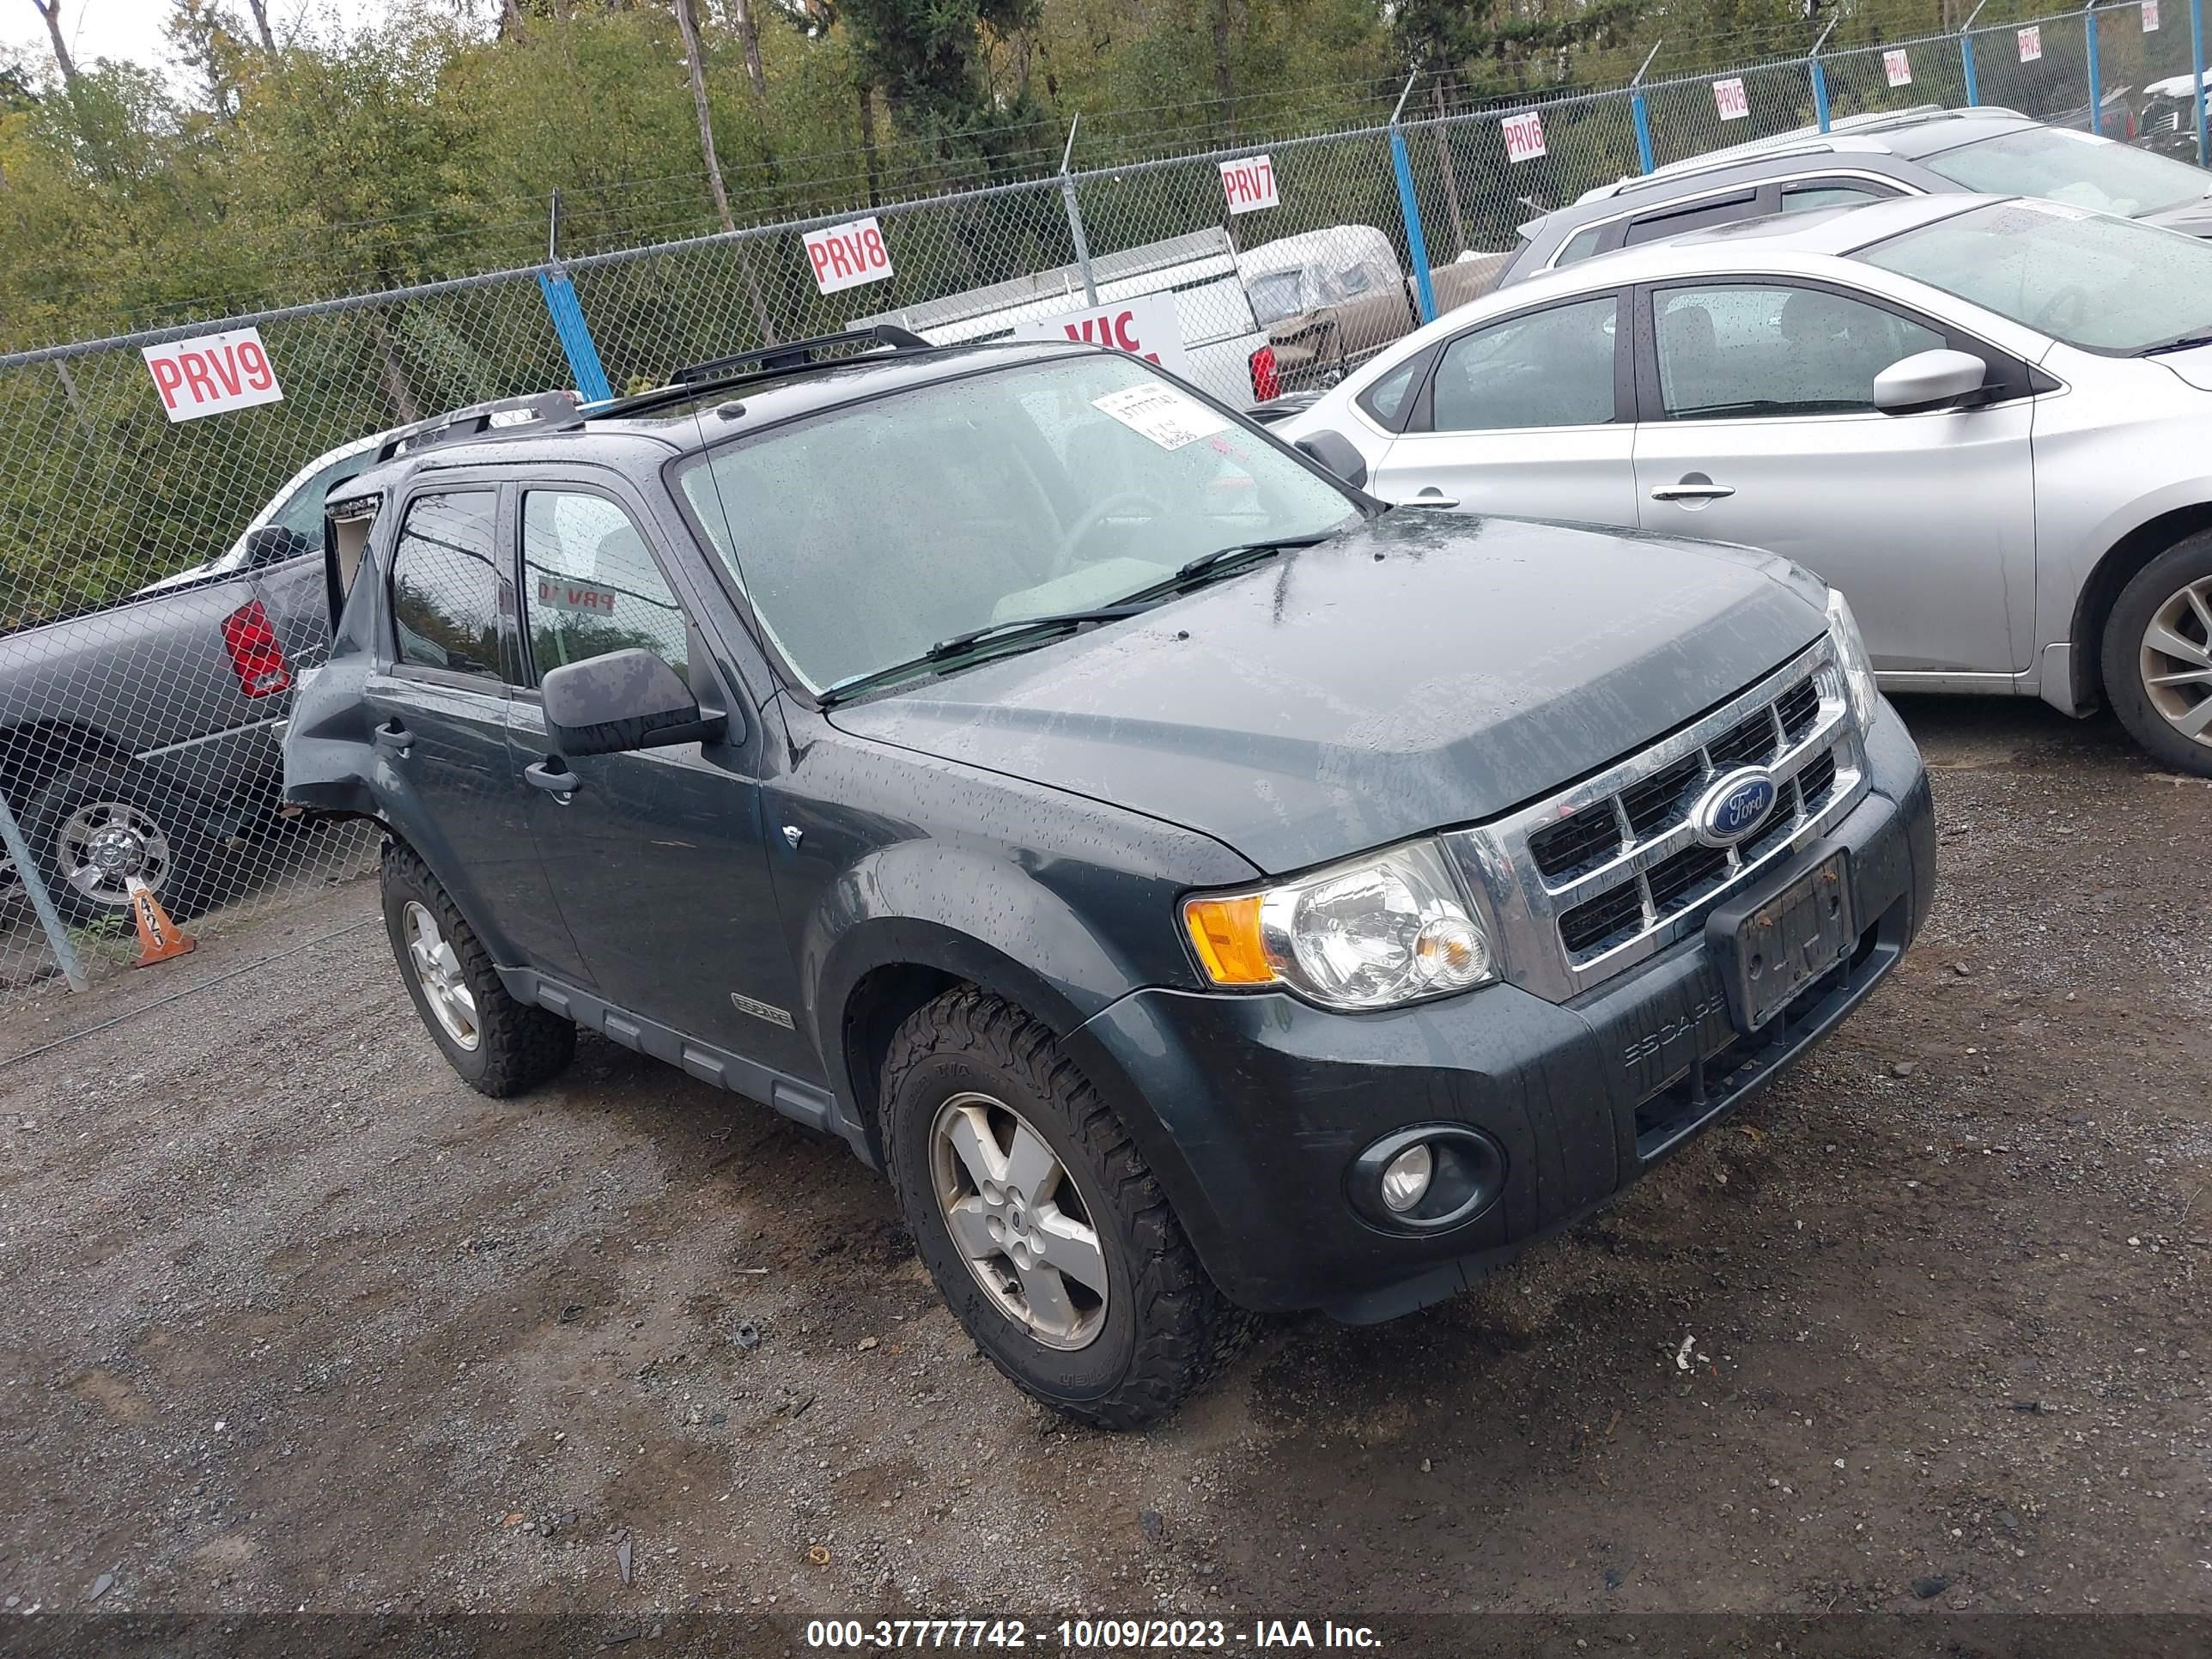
{"x": 2096, "y": 93}
{"x": 1639, "y": 115}
{"x": 575, "y": 335}
{"x": 1819, "y": 76}
{"x": 1966, "y": 53}
{"x": 2196, "y": 68}
{"x": 1416, "y": 244}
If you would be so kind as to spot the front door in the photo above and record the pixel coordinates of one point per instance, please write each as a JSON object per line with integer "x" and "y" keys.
{"x": 1760, "y": 427}
{"x": 1527, "y": 416}
{"x": 655, "y": 857}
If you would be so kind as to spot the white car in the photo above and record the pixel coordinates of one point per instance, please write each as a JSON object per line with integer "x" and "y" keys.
{"x": 1987, "y": 420}
{"x": 292, "y": 519}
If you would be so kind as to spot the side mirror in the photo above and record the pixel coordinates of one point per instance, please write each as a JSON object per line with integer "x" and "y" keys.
{"x": 273, "y": 544}
{"x": 623, "y": 700}
{"x": 1927, "y": 380}
{"x": 1334, "y": 451}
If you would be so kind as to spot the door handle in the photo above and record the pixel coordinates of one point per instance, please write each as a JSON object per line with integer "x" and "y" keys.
{"x": 1686, "y": 491}
{"x": 560, "y": 784}
{"x": 394, "y": 739}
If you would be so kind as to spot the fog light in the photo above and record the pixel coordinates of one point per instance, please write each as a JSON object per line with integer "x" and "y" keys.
{"x": 1406, "y": 1179}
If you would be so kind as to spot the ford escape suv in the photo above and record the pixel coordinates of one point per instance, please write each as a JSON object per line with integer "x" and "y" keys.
{"x": 1201, "y": 888}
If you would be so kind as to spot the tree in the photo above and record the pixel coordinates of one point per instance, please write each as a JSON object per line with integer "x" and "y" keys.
{"x": 694, "y": 61}
{"x": 51, "y": 10}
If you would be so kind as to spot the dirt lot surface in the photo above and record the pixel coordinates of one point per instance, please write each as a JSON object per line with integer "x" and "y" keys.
{"x": 296, "y": 1320}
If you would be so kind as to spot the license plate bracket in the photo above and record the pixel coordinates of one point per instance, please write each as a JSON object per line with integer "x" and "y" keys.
{"x": 1768, "y": 946}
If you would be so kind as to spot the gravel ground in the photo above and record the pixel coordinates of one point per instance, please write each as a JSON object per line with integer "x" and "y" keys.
{"x": 296, "y": 1320}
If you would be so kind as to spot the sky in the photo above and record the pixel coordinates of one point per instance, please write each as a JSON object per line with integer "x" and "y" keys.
{"x": 132, "y": 28}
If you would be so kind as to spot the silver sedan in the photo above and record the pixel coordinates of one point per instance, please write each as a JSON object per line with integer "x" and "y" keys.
{"x": 1987, "y": 420}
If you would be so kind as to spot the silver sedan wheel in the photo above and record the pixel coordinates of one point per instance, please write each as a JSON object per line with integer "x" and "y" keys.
{"x": 102, "y": 844}
{"x": 1016, "y": 1216}
{"x": 439, "y": 972}
{"x": 2176, "y": 661}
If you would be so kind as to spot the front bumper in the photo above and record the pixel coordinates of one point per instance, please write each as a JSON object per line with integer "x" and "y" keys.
{"x": 1263, "y": 1103}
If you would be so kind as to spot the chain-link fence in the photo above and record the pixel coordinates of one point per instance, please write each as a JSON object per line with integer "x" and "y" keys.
{"x": 160, "y": 580}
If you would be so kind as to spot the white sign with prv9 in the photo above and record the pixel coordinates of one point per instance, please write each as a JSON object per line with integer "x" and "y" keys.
{"x": 213, "y": 374}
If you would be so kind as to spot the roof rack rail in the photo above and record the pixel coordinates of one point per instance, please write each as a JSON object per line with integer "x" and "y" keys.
{"x": 539, "y": 411}
{"x": 797, "y": 354}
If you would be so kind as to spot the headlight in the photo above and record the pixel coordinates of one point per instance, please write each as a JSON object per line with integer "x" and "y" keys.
{"x": 1380, "y": 930}
{"x": 1851, "y": 657}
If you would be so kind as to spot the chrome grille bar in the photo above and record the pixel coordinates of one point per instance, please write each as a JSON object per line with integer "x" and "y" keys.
{"x": 1527, "y": 908}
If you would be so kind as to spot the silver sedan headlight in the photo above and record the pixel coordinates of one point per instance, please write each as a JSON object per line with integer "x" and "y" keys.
{"x": 1374, "y": 932}
{"x": 1852, "y": 657}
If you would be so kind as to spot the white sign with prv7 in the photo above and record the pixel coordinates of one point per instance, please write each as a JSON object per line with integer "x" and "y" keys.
{"x": 1249, "y": 184}
{"x": 213, "y": 374}
{"x": 846, "y": 256}
{"x": 1146, "y": 327}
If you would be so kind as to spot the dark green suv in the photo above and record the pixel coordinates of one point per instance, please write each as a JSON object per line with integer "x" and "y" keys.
{"x": 1202, "y": 889}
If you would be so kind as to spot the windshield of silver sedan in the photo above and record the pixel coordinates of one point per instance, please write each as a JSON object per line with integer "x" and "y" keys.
{"x": 2105, "y": 284}
{"x": 883, "y": 532}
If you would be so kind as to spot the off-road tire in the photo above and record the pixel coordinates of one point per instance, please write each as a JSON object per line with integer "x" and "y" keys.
{"x": 186, "y": 887}
{"x": 1167, "y": 1329}
{"x": 2121, "y": 659}
{"x": 519, "y": 1046}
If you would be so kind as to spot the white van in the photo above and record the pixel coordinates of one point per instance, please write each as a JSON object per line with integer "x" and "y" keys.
{"x": 1229, "y": 353}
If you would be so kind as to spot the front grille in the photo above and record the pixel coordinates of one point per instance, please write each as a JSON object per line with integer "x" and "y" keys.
{"x": 1601, "y": 875}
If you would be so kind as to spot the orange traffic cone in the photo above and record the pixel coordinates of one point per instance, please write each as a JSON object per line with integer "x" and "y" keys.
{"x": 159, "y": 939}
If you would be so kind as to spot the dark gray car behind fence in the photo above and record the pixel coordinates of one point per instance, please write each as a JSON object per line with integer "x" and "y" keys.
{"x": 142, "y": 702}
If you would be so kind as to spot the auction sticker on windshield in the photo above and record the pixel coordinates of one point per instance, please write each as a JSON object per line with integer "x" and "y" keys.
{"x": 1162, "y": 414}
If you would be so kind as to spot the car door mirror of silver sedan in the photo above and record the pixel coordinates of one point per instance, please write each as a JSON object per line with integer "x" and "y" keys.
{"x": 1927, "y": 380}
{"x": 625, "y": 699}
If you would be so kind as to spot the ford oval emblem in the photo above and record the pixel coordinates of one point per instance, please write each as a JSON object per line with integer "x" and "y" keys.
{"x": 1735, "y": 806}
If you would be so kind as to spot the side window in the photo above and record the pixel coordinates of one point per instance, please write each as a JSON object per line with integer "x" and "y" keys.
{"x": 1386, "y": 399}
{"x": 1764, "y": 350}
{"x": 1580, "y": 245}
{"x": 445, "y": 585}
{"x": 589, "y": 584}
{"x": 1725, "y": 211}
{"x": 1548, "y": 368}
{"x": 302, "y": 512}
{"x": 1811, "y": 198}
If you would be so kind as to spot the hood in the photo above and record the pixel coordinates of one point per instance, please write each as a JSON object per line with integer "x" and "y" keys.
{"x": 2191, "y": 218}
{"x": 1424, "y": 670}
{"x": 2194, "y": 366}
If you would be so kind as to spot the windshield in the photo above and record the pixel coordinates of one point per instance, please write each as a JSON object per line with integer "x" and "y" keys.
{"x": 867, "y": 534}
{"x": 1275, "y": 296}
{"x": 2078, "y": 168}
{"x": 2107, "y": 284}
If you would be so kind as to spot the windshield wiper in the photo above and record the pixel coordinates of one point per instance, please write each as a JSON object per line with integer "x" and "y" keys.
{"x": 1015, "y": 631}
{"x": 2180, "y": 342}
{"x": 1225, "y": 561}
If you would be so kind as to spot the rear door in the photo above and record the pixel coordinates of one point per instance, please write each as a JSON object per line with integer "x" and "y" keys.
{"x": 1760, "y": 427}
{"x": 1528, "y": 415}
{"x": 438, "y": 699}
{"x": 656, "y": 858}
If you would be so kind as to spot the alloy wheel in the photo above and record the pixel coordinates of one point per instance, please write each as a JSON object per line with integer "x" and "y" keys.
{"x": 98, "y": 848}
{"x": 2176, "y": 661}
{"x": 1016, "y": 1218}
{"x": 438, "y": 969}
